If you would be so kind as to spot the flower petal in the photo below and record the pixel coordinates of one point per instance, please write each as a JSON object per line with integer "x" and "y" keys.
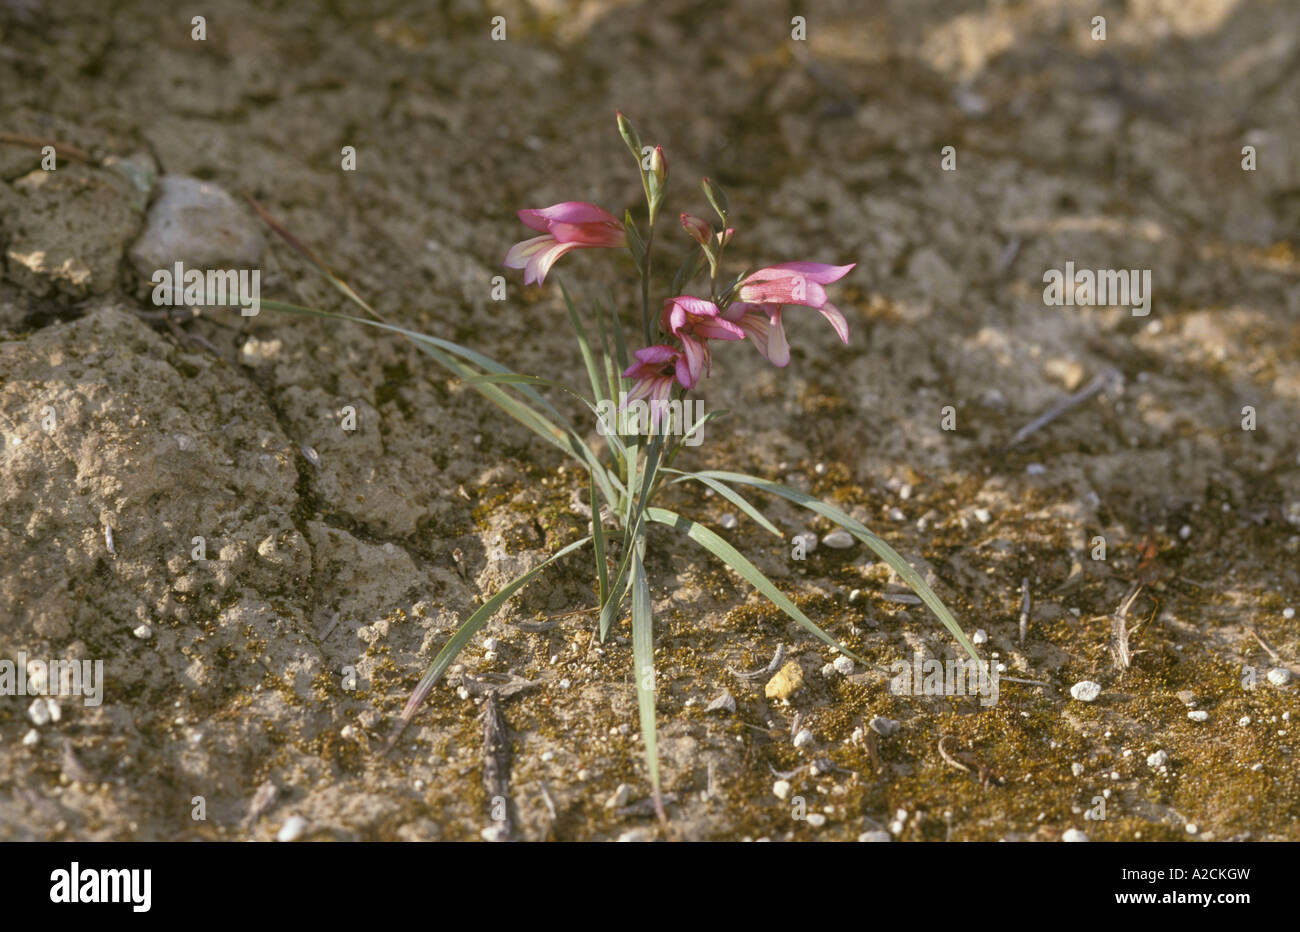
{"x": 520, "y": 253}
{"x": 836, "y": 317}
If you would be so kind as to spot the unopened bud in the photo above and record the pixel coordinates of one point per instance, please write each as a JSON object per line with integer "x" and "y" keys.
{"x": 699, "y": 229}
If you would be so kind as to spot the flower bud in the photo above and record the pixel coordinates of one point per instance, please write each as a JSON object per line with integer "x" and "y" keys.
{"x": 699, "y": 229}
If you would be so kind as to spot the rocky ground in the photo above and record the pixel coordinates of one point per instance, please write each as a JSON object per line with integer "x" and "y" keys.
{"x": 255, "y": 687}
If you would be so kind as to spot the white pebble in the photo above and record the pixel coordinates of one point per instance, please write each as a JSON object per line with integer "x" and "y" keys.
{"x": 1185, "y": 531}
{"x": 620, "y": 797}
{"x": 855, "y": 595}
{"x": 565, "y": 683}
{"x": 843, "y": 665}
{"x": 874, "y": 836}
{"x": 804, "y": 738}
{"x": 1074, "y": 834}
{"x": 144, "y": 632}
{"x": 1279, "y": 676}
{"x": 729, "y": 522}
{"x": 983, "y": 516}
{"x": 1198, "y": 715}
{"x": 292, "y": 830}
{"x": 1244, "y": 721}
{"x": 896, "y": 514}
{"x": 1077, "y": 769}
{"x": 32, "y": 738}
{"x": 38, "y": 712}
{"x": 1157, "y": 759}
{"x": 1086, "y": 691}
{"x": 1035, "y": 469}
{"x": 838, "y": 540}
{"x": 1288, "y": 613}
{"x": 980, "y": 636}
{"x": 781, "y": 789}
{"x": 1191, "y": 828}
{"x": 816, "y": 819}
{"x": 491, "y": 644}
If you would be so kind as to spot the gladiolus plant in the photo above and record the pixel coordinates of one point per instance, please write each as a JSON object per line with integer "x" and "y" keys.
{"x": 679, "y": 334}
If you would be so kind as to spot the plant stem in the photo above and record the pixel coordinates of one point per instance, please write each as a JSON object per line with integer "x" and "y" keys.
{"x": 645, "y": 286}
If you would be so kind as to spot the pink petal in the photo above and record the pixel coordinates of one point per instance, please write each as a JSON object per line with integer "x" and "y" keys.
{"x": 814, "y": 271}
{"x": 541, "y": 263}
{"x": 691, "y": 363}
{"x": 565, "y": 212}
{"x": 834, "y": 315}
{"x": 520, "y": 253}
{"x": 719, "y": 330}
{"x": 658, "y": 353}
{"x": 778, "y": 350}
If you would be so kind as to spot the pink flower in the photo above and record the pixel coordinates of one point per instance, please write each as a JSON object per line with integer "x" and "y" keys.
{"x": 568, "y": 225}
{"x": 695, "y": 321}
{"x": 653, "y": 372}
{"x": 767, "y": 290}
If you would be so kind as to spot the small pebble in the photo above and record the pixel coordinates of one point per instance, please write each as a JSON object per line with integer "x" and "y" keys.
{"x": 983, "y": 516}
{"x": 804, "y": 738}
{"x": 491, "y": 644}
{"x": 1191, "y": 828}
{"x": 896, "y": 514}
{"x": 838, "y": 540}
{"x": 809, "y": 541}
{"x": 980, "y": 636}
{"x": 38, "y": 712}
{"x": 32, "y": 738}
{"x": 1074, "y": 834}
{"x": 292, "y": 830}
{"x": 1244, "y": 721}
{"x": 1035, "y": 469}
{"x": 620, "y": 797}
{"x": 874, "y": 836}
{"x": 637, "y": 835}
{"x": 1185, "y": 531}
{"x": 144, "y": 632}
{"x": 1157, "y": 759}
{"x": 1279, "y": 676}
{"x": 855, "y": 595}
{"x": 1086, "y": 691}
{"x": 1198, "y": 715}
{"x": 843, "y": 665}
{"x": 496, "y": 832}
{"x": 781, "y": 789}
{"x": 1288, "y": 613}
{"x": 1077, "y": 769}
{"x": 729, "y": 522}
{"x": 883, "y": 726}
{"x": 724, "y": 702}
{"x": 816, "y": 819}
{"x": 787, "y": 681}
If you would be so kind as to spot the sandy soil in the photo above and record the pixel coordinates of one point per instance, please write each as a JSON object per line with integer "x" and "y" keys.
{"x": 284, "y": 657}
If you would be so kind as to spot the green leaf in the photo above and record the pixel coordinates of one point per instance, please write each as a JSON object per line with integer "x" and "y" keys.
{"x": 466, "y": 631}
{"x": 717, "y": 197}
{"x": 643, "y": 660}
{"x": 598, "y": 541}
{"x": 860, "y": 531}
{"x": 584, "y": 345}
{"x": 730, "y": 495}
{"x": 634, "y": 240}
{"x": 733, "y": 558}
